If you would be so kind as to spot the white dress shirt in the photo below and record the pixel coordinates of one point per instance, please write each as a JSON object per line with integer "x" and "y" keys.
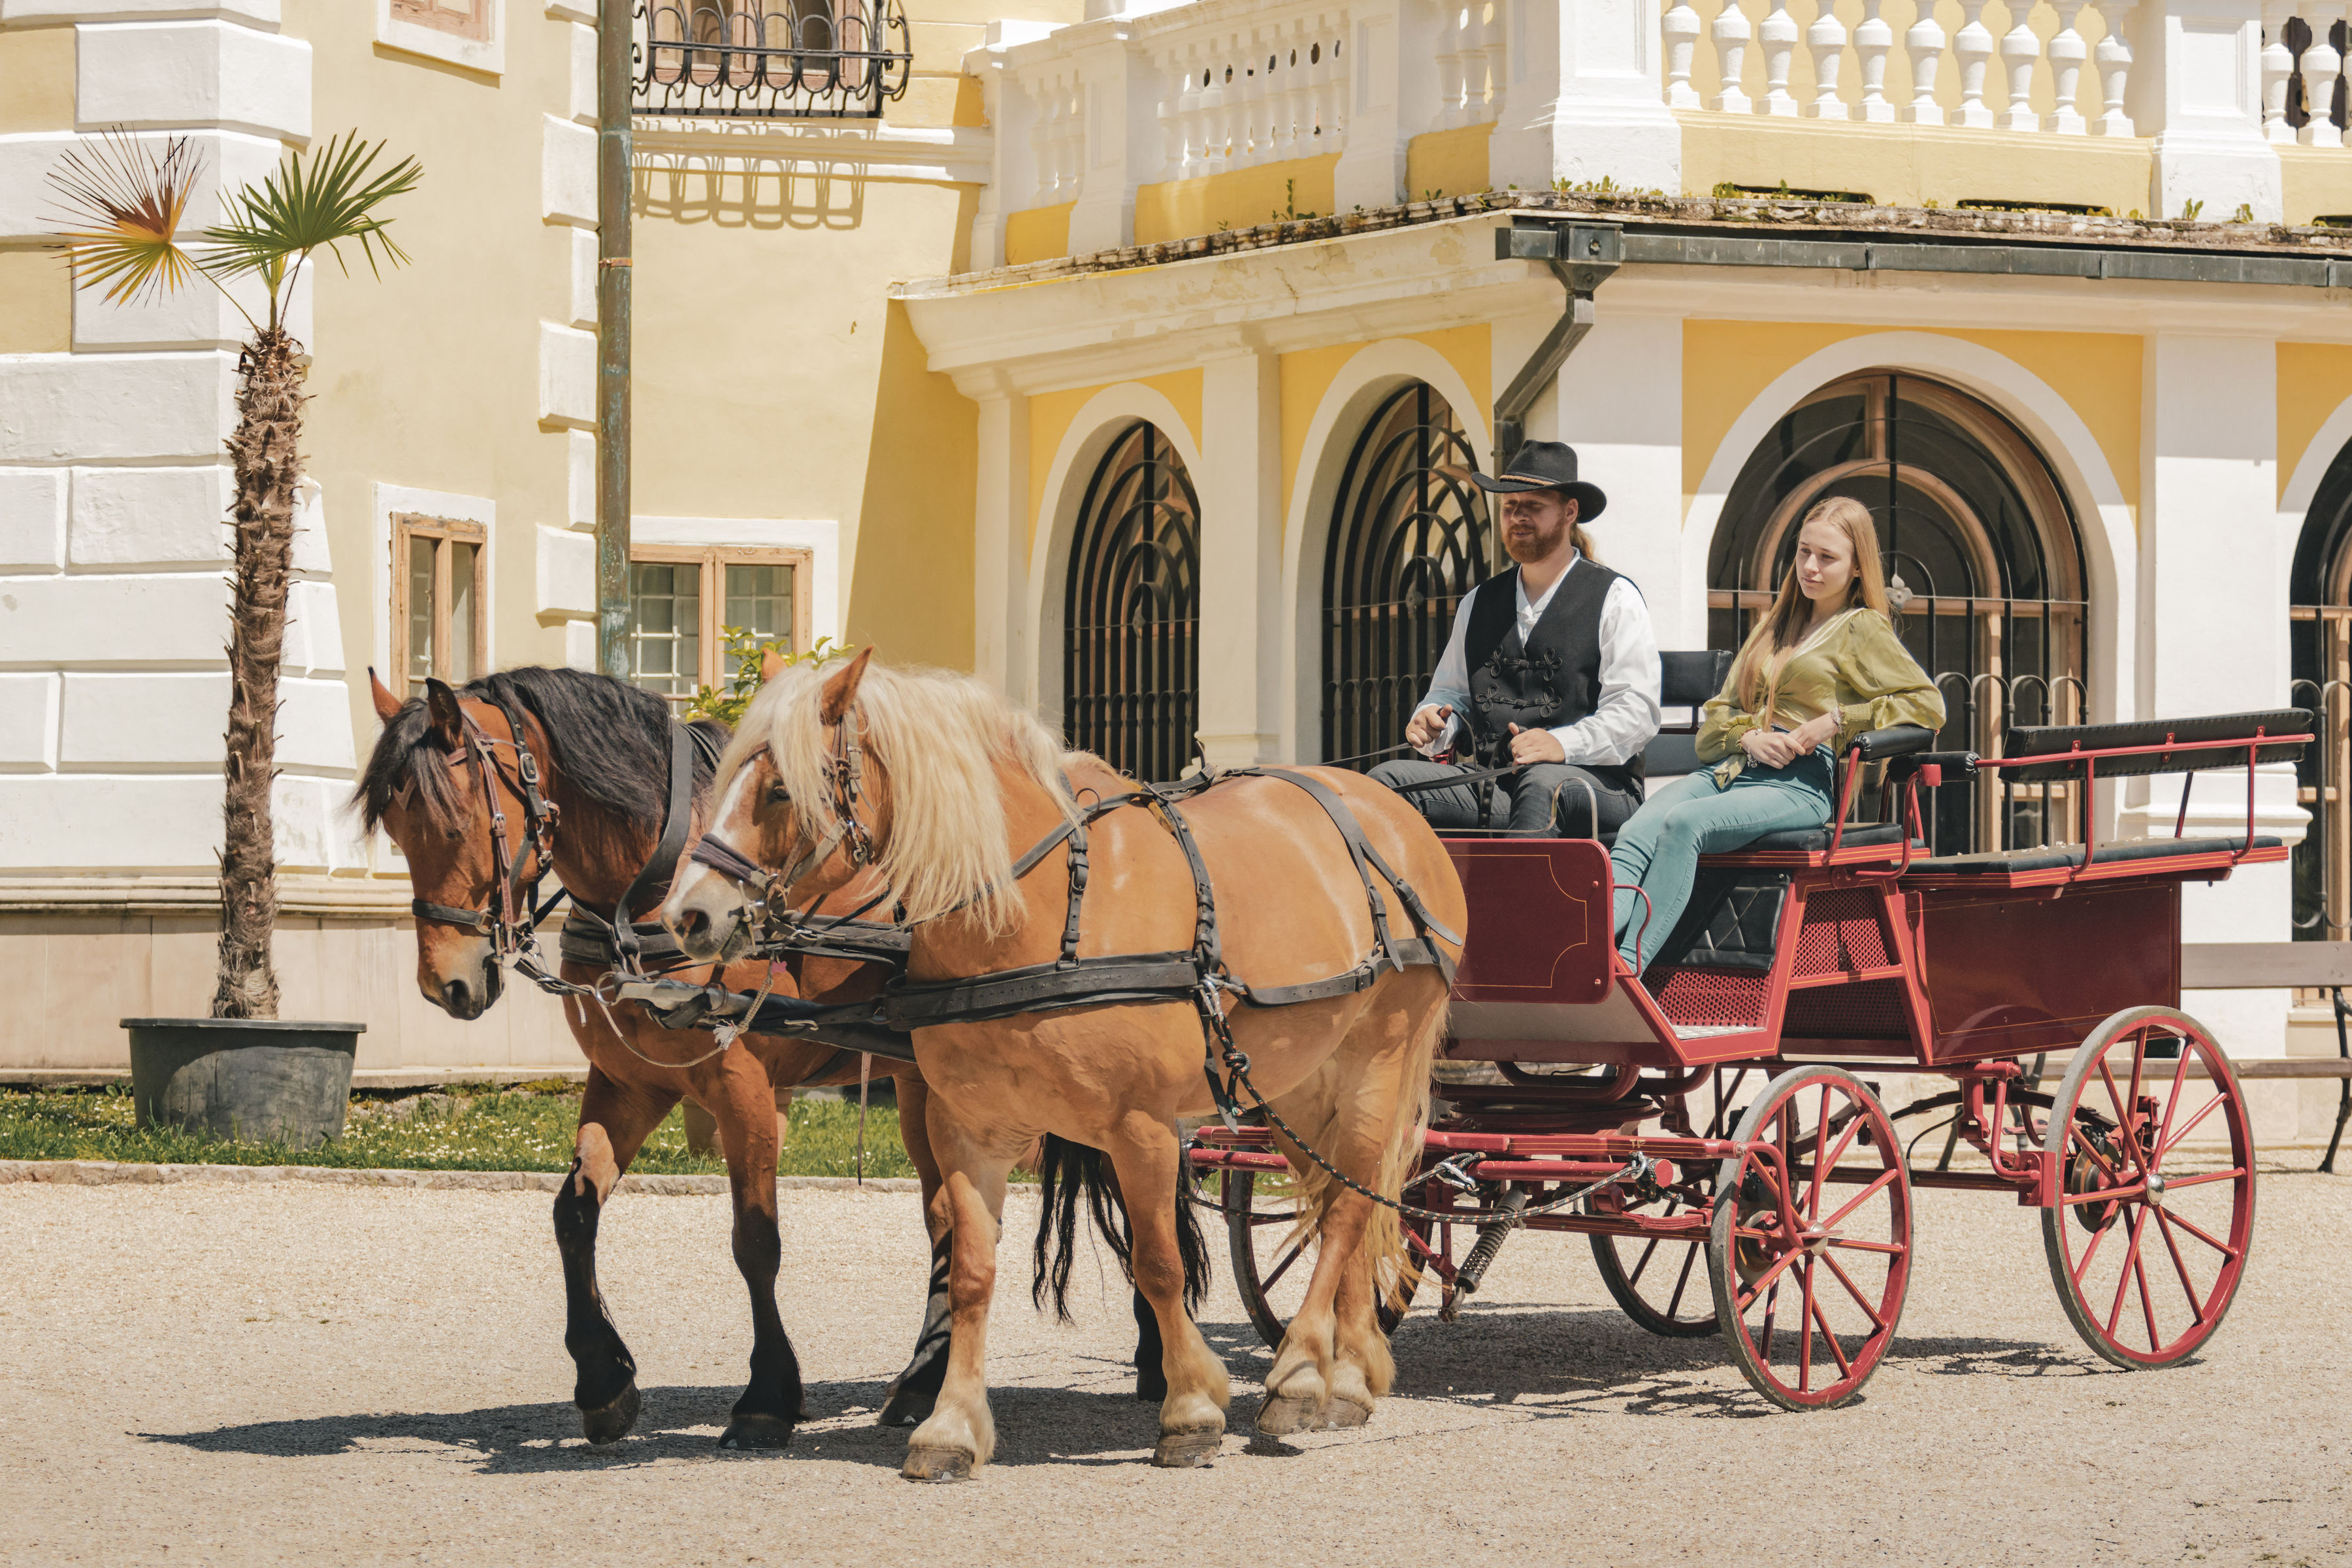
{"x": 1625, "y": 718}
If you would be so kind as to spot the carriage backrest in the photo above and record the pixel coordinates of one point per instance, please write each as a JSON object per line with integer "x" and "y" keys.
{"x": 2063, "y": 744}
{"x": 1685, "y": 679}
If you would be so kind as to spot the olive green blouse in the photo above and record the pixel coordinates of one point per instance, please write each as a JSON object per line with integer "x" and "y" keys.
{"x": 1855, "y": 664}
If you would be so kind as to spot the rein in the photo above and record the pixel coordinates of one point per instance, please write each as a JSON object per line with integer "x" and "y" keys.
{"x": 512, "y": 916}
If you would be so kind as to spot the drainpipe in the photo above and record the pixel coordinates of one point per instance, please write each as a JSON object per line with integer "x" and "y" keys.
{"x": 1582, "y": 256}
{"x": 614, "y": 91}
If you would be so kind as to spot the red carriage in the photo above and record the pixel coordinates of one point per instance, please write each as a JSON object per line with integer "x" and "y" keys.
{"x": 1625, "y": 1106}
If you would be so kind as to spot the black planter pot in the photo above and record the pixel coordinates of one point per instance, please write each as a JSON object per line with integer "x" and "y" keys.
{"x": 267, "y": 1080}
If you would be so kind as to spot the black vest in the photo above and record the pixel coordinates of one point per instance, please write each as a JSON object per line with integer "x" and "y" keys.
{"x": 1551, "y": 678}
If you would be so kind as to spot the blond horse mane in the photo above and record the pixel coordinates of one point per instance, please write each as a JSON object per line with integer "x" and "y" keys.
{"x": 938, "y": 739}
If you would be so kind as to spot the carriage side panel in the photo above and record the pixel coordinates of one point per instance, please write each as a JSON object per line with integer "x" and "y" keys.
{"x": 2010, "y": 972}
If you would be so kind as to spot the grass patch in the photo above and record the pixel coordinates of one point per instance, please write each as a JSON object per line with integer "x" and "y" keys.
{"x": 525, "y": 1129}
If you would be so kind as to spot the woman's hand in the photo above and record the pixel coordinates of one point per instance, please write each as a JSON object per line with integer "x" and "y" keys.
{"x": 1773, "y": 748}
{"x": 1814, "y": 733}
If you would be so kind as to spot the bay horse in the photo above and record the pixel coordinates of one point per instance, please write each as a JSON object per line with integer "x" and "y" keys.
{"x": 940, "y": 782}
{"x": 603, "y": 750}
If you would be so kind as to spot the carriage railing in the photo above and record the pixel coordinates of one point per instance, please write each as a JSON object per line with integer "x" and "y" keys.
{"x": 817, "y": 59}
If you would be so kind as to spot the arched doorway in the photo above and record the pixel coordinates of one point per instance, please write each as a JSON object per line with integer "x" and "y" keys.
{"x": 1131, "y": 650}
{"x": 1410, "y": 538}
{"x": 1983, "y": 557}
{"x": 2319, "y": 640}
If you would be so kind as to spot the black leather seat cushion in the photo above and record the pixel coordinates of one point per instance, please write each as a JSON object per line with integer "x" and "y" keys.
{"x": 2060, "y": 856}
{"x": 1858, "y": 836}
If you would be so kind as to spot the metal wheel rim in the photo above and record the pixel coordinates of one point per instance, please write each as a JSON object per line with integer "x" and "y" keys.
{"x": 2174, "y": 1242}
{"x": 1685, "y": 1283}
{"x": 1768, "y": 1263}
{"x": 1247, "y": 1219}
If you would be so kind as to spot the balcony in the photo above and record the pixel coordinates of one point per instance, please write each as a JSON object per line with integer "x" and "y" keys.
{"x": 1157, "y": 122}
{"x": 775, "y": 59}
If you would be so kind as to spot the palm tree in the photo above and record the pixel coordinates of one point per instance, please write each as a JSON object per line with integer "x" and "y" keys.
{"x": 124, "y": 199}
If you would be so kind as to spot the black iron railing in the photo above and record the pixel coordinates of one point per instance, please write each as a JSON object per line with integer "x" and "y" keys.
{"x": 792, "y": 60}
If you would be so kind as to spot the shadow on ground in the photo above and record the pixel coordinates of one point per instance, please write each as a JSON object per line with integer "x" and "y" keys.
{"x": 1539, "y": 1363}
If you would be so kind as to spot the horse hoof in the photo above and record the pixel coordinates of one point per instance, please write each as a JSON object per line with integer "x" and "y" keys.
{"x": 752, "y": 1431}
{"x": 909, "y": 1408}
{"x": 1192, "y": 1450}
{"x": 925, "y": 1463}
{"x": 1345, "y": 1411}
{"x": 610, "y": 1422}
{"x": 1279, "y": 1417}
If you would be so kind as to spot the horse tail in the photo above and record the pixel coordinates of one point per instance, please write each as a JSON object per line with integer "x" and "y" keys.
{"x": 1068, "y": 1172}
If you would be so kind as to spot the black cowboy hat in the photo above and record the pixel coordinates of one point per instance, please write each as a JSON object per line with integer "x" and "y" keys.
{"x": 1547, "y": 466}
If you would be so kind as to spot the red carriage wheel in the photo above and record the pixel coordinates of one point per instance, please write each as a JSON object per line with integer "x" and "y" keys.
{"x": 1272, "y": 1262}
{"x": 2156, "y": 1202}
{"x": 1658, "y": 1279}
{"x": 1810, "y": 1251}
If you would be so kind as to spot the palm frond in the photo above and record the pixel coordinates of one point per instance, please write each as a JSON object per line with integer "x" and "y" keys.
{"x": 123, "y": 201}
{"x": 321, "y": 200}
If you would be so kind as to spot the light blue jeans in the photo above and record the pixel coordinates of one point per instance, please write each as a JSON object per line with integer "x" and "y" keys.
{"x": 1658, "y": 850}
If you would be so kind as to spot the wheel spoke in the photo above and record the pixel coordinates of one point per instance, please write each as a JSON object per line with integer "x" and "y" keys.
{"x": 1770, "y": 1277}
{"x": 1283, "y": 1268}
{"x": 1821, "y": 1136}
{"x": 2147, "y": 1302}
{"x": 1674, "y": 1302}
{"x": 2172, "y": 1100}
{"x": 2076, "y": 1136}
{"x": 2097, "y": 1237}
{"x": 1635, "y": 1277}
{"x": 2124, "y": 1274}
{"x": 1847, "y": 1244}
{"x": 1876, "y": 1323}
{"x": 1879, "y": 1185}
{"x": 2189, "y": 1126}
{"x": 2231, "y": 1175}
{"x": 2221, "y": 1247}
{"x": 1845, "y": 1367}
{"x": 1807, "y": 1314}
{"x": 1853, "y": 1128}
{"x": 2123, "y": 1109}
{"x": 2164, "y": 1228}
{"x": 2100, "y": 1195}
{"x": 1771, "y": 1302}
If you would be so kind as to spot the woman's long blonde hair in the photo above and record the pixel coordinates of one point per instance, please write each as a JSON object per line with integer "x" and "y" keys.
{"x": 1783, "y": 626}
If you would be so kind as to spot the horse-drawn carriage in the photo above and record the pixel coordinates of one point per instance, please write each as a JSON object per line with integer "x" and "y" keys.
{"x": 1717, "y": 1122}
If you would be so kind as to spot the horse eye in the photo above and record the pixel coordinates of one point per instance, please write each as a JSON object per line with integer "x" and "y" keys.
{"x": 778, "y": 794}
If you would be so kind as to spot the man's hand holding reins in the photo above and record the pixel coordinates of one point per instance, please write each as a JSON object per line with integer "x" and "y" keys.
{"x": 1422, "y": 731}
{"x": 1535, "y": 746}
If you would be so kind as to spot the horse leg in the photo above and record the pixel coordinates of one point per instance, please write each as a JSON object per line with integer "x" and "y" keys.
{"x": 615, "y": 1120}
{"x": 959, "y": 1433}
{"x": 746, "y": 1112}
{"x": 1150, "y": 1378}
{"x": 911, "y": 1393}
{"x": 1192, "y": 1406}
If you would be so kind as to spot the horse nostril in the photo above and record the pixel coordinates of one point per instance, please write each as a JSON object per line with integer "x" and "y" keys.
{"x": 454, "y": 996}
{"x": 695, "y": 925}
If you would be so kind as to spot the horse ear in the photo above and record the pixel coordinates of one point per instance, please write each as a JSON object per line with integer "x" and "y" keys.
{"x": 448, "y": 719}
{"x": 840, "y": 691}
{"x": 386, "y": 704}
{"x": 771, "y": 663}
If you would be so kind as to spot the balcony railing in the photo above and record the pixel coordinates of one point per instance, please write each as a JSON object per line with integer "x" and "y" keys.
{"x": 798, "y": 60}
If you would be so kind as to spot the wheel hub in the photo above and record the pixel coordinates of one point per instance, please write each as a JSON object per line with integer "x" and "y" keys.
{"x": 2156, "y": 1184}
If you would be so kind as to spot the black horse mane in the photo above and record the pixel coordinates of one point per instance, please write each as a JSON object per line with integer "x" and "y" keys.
{"x": 610, "y": 741}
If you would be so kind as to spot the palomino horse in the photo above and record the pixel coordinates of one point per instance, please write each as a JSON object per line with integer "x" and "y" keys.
{"x": 941, "y": 784}
{"x": 603, "y": 752}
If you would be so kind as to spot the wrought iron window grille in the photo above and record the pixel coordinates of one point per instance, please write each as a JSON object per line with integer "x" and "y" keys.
{"x": 1131, "y": 649}
{"x": 779, "y": 60}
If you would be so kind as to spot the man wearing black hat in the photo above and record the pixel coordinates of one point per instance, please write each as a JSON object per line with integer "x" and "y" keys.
{"x": 1549, "y": 683}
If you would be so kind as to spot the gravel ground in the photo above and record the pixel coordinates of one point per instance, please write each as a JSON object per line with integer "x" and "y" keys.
{"x": 327, "y": 1374}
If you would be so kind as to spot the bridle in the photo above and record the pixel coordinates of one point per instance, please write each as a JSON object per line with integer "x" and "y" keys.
{"x": 513, "y": 913}
{"x": 845, "y": 775}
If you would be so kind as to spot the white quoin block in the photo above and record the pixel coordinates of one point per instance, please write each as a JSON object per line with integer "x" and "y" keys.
{"x": 567, "y": 376}
{"x": 567, "y": 172}
{"x": 580, "y": 478}
{"x": 18, "y": 13}
{"x": 314, "y": 631}
{"x": 28, "y": 723}
{"x": 170, "y": 621}
{"x": 314, "y": 725}
{"x": 583, "y": 98}
{"x": 142, "y": 74}
{"x": 64, "y": 822}
{"x": 580, "y": 645}
{"x": 145, "y": 721}
{"x": 314, "y": 556}
{"x": 31, "y": 518}
{"x": 584, "y": 278}
{"x": 150, "y": 517}
{"x": 315, "y": 829}
{"x": 96, "y": 407}
{"x": 567, "y": 573}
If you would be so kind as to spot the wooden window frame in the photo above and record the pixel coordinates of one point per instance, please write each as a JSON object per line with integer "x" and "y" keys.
{"x": 475, "y": 25}
{"x": 711, "y": 558}
{"x": 446, "y": 530}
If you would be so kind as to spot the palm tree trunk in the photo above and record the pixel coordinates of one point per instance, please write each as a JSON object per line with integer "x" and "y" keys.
{"x": 269, "y": 424}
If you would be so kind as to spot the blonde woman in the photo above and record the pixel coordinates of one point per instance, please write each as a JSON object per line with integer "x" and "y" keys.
{"x": 1824, "y": 666}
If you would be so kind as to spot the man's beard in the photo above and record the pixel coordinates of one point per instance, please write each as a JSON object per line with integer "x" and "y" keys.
{"x": 1535, "y": 546}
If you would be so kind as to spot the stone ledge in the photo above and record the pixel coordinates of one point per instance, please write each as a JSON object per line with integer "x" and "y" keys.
{"x": 110, "y": 1172}
{"x": 349, "y": 897}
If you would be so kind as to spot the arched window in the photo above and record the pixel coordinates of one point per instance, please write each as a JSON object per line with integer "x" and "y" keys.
{"x": 1408, "y": 538}
{"x": 2320, "y": 643}
{"x": 1983, "y": 562}
{"x": 1131, "y": 659}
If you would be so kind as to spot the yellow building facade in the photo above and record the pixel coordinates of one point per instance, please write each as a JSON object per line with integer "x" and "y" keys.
{"x": 1133, "y": 355}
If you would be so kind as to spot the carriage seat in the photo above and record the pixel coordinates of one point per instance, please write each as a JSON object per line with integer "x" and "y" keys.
{"x": 2066, "y": 856}
{"x": 1813, "y": 840}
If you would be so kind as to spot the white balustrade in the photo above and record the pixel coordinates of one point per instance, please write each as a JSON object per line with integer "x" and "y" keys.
{"x": 2321, "y": 65}
{"x": 1723, "y": 34}
{"x": 1236, "y": 98}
